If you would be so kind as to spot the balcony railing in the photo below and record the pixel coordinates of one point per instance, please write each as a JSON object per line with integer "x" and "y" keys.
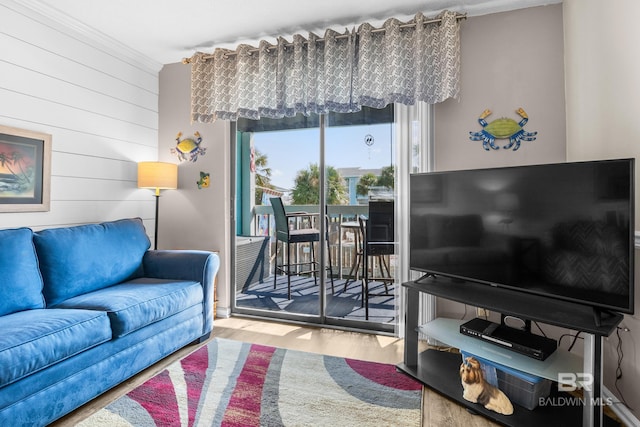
{"x": 343, "y": 240}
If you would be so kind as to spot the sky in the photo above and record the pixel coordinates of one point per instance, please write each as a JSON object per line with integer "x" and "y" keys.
{"x": 8, "y": 149}
{"x": 290, "y": 151}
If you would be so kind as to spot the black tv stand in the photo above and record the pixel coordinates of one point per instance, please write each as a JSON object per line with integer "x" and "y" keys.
{"x": 439, "y": 370}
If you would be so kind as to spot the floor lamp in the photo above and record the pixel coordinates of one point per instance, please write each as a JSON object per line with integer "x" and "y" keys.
{"x": 157, "y": 176}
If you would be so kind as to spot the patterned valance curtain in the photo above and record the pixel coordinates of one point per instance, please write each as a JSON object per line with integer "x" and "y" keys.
{"x": 400, "y": 62}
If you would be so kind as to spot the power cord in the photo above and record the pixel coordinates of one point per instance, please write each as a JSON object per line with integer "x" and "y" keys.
{"x": 575, "y": 339}
{"x": 619, "y": 367}
{"x": 618, "y": 351}
{"x": 465, "y": 312}
{"x": 540, "y": 329}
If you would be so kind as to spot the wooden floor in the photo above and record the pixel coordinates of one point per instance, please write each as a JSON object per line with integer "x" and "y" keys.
{"x": 437, "y": 411}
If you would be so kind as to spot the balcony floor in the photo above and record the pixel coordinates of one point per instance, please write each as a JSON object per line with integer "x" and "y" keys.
{"x": 304, "y": 298}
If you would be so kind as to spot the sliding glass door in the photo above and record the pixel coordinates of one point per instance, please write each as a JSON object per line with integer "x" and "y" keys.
{"x": 327, "y": 172}
{"x": 278, "y": 262}
{"x": 359, "y": 164}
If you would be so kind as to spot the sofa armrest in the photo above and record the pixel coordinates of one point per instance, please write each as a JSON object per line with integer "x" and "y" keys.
{"x": 199, "y": 266}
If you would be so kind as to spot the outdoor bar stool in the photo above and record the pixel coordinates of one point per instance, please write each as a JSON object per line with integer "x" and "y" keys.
{"x": 378, "y": 231}
{"x": 287, "y": 236}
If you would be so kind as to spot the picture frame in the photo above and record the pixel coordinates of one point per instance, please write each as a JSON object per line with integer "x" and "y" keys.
{"x": 25, "y": 170}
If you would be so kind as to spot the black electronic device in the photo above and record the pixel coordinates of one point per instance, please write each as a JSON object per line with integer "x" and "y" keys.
{"x": 521, "y": 341}
{"x": 561, "y": 230}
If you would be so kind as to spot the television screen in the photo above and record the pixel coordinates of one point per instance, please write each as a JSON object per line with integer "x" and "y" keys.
{"x": 564, "y": 230}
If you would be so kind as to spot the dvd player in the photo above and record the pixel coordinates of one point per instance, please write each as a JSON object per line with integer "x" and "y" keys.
{"x": 523, "y": 342}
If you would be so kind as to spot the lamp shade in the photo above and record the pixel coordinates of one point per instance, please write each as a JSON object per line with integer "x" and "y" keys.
{"x": 157, "y": 175}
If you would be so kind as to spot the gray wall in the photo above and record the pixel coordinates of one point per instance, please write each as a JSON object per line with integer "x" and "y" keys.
{"x": 509, "y": 60}
{"x": 192, "y": 218}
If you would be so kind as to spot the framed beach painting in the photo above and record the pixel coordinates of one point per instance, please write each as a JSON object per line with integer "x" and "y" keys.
{"x": 25, "y": 170}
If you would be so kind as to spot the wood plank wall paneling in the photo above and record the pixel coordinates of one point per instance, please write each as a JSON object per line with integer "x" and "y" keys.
{"x": 100, "y": 107}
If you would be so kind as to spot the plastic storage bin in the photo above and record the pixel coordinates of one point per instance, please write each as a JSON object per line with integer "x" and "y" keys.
{"x": 521, "y": 388}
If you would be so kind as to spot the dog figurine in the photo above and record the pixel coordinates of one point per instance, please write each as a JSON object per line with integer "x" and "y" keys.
{"x": 478, "y": 390}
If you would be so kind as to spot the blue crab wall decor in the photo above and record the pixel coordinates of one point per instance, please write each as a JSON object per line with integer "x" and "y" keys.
{"x": 502, "y": 128}
{"x": 188, "y": 149}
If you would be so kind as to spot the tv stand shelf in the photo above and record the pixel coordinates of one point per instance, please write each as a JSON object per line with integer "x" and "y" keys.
{"x": 439, "y": 370}
{"x": 447, "y": 331}
{"x": 510, "y": 302}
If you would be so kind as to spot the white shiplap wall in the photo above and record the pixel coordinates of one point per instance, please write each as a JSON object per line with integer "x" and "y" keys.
{"x": 99, "y": 102}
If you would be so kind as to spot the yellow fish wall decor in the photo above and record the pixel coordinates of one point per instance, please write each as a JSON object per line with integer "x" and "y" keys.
{"x": 204, "y": 180}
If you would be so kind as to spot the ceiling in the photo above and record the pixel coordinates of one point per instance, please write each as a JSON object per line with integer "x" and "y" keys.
{"x": 166, "y": 31}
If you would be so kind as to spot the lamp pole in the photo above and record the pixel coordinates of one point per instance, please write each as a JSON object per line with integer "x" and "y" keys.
{"x": 155, "y": 239}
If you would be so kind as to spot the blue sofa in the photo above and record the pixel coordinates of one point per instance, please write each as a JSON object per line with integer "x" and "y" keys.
{"x": 84, "y": 308}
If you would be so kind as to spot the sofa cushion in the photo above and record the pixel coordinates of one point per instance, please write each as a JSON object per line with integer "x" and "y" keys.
{"x": 81, "y": 259}
{"x": 35, "y": 339}
{"x": 20, "y": 280}
{"x": 140, "y": 302}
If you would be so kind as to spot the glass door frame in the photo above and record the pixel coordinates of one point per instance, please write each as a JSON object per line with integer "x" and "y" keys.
{"x": 405, "y": 119}
{"x": 235, "y": 217}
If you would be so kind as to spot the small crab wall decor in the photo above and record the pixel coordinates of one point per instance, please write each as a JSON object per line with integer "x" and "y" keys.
{"x": 188, "y": 149}
{"x": 502, "y": 128}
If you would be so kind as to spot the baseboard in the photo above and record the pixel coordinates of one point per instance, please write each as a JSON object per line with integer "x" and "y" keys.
{"x": 620, "y": 408}
{"x": 223, "y": 312}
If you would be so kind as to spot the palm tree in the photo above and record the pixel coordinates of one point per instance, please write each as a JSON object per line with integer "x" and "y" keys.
{"x": 368, "y": 180}
{"x": 337, "y": 193}
{"x": 386, "y": 178}
{"x": 11, "y": 159}
{"x": 365, "y": 182}
{"x": 262, "y": 175}
{"x": 306, "y": 190}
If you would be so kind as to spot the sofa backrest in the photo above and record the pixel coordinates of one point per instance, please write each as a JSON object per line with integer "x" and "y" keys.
{"x": 20, "y": 280}
{"x": 85, "y": 258}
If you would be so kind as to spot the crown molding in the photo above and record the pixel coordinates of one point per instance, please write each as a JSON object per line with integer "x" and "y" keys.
{"x": 52, "y": 17}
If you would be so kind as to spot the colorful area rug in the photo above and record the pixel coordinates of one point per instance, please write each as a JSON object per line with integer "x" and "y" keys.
{"x": 231, "y": 383}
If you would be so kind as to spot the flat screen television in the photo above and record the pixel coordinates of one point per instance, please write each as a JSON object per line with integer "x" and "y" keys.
{"x": 564, "y": 230}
